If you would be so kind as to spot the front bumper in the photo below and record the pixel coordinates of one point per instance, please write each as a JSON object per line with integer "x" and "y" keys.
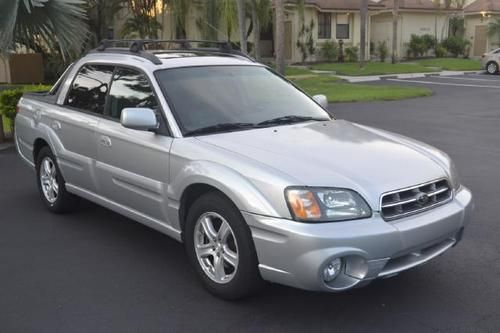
{"x": 295, "y": 254}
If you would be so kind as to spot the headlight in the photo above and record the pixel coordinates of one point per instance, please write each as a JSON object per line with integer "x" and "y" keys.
{"x": 454, "y": 177}
{"x": 325, "y": 204}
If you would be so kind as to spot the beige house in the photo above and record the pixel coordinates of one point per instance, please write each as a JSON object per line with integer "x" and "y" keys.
{"x": 477, "y": 17}
{"x": 334, "y": 20}
{"x": 418, "y": 17}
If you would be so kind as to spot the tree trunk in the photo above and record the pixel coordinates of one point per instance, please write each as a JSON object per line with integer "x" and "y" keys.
{"x": 242, "y": 25}
{"x": 280, "y": 36}
{"x": 395, "y": 18}
{"x": 256, "y": 30}
{"x": 364, "y": 17}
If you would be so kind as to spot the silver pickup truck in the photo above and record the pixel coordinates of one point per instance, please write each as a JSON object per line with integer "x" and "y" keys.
{"x": 255, "y": 177}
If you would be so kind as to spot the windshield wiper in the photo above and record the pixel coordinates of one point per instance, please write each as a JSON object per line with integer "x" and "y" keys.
{"x": 224, "y": 127}
{"x": 289, "y": 120}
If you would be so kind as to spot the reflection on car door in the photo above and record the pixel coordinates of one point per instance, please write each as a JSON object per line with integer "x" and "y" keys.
{"x": 76, "y": 123}
{"x": 133, "y": 165}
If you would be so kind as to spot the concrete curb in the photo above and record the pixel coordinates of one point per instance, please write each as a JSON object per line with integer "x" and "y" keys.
{"x": 372, "y": 78}
{"x": 6, "y": 145}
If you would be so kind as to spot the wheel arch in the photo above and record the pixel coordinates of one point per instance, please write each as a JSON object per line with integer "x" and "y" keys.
{"x": 37, "y": 146}
{"x": 198, "y": 178}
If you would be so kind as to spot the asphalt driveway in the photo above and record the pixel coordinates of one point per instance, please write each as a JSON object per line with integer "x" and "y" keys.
{"x": 95, "y": 271}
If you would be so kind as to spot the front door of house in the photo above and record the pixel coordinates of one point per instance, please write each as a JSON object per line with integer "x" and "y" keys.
{"x": 480, "y": 40}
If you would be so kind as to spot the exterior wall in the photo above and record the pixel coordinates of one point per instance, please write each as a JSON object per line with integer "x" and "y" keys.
{"x": 353, "y": 18}
{"x": 21, "y": 68}
{"x": 418, "y": 23}
{"x": 471, "y": 22}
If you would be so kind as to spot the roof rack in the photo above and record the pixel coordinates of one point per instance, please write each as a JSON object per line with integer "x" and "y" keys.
{"x": 140, "y": 47}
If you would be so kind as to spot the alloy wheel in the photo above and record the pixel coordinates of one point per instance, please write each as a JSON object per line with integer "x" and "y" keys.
{"x": 48, "y": 180}
{"x": 216, "y": 247}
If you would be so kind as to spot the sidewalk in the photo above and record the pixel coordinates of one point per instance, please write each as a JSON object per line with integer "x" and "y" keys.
{"x": 356, "y": 79}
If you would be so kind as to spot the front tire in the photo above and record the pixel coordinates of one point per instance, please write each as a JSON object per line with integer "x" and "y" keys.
{"x": 492, "y": 68}
{"x": 51, "y": 184}
{"x": 220, "y": 247}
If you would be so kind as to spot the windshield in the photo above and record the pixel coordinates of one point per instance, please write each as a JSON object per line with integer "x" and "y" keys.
{"x": 224, "y": 98}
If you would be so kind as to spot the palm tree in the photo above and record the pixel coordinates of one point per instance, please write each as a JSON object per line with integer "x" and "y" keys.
{"x": 242, "y": 24}
{"x": 280, "y": 36}
{"x": 261, "y": 19}
{"x": 228, "y": 14}
{"x": 51, "y": 25}
{"x": 180, "y": 10}
{"x": 101, "y": 13}
{"x": 364, "y": 15}
{"x": 143, "y": 22}
{"x": 395, "y": 18}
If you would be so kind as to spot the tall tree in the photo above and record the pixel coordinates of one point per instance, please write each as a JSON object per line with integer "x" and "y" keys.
{"x": 280, "y": 36}
{"x": 228, "y": 14}
{"x": 55, "y": 25}
{"x": 364, "y": 24}
{"x": 242, "y": 18}
{"x": 180, "y": 11}
{"x": 256, "y": 33}
{"x": 143, "y": 23}
{"x": 395, "y": 19}
{"x": 101, "y": 14}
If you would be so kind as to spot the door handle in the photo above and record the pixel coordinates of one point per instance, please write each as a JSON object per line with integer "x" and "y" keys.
{"x": 56, "y": 125}
{"x": 105, "y": 141}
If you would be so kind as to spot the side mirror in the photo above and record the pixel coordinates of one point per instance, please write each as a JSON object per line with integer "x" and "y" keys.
{"x": 321, "y": 100}
{"x": 142, "y": 119}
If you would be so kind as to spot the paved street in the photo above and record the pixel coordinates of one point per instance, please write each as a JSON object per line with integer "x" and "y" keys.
{"x": 95, "y": 271}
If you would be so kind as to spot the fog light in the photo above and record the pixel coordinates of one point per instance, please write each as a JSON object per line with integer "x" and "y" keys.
{"x": 332, "y": 269}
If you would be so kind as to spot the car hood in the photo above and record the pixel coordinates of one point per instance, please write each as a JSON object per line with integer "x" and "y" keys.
{"x": 340, "y": 154}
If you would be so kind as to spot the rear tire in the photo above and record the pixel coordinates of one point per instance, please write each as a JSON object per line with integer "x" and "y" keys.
{"x": 51, "y": 184}
{"x": 492, "y": 68}
{"x": 220, "y": 247}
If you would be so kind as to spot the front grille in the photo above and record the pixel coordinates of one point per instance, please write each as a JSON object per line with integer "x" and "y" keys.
{"x": 412, "y": 200}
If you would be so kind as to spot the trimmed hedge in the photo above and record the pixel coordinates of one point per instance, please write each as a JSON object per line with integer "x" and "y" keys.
{"x": 10, "y": 97}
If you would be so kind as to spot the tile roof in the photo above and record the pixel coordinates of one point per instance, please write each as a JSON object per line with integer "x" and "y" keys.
{"x": 483, "y": 5}
{"x": 338, "y": 4}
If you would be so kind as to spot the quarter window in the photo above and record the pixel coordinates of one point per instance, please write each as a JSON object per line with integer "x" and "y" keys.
{"x": 90, "y": 87}
{"x": 130, "y": 89}
{"x": 324, "y": 25}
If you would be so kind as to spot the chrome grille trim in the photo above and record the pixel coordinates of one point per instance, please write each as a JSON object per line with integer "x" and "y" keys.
{"x": 404, "y": 202}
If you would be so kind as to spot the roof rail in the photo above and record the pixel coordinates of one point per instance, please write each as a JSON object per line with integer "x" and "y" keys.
{"x": 140, "y": 46}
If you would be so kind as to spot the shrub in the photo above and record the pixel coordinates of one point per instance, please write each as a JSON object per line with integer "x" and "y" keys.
{"x": 351, "y": 54}
{"x": 330, "y": 50}
{"x": 429, "y": 42}
{"x": 441, "y": 51}
{"x": 383, "y": 51}
{"x": 420, "y": 45}
{"x": 9, "y": 99}
{"x": 457, "y": 46}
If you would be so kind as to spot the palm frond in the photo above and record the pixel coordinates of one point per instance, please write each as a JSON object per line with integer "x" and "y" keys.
{"x": 54, "y": 24}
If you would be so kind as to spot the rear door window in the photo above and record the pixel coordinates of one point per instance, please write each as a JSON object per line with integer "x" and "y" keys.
{"x": 130, "y": 89}
{"x": 89, "y": 89}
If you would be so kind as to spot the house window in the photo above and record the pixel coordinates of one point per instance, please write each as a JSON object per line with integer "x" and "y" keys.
{"x": 324, "y": 25}
{"x": 342, "y": 31}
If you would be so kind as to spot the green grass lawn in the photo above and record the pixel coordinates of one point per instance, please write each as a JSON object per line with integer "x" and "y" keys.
{"x": 452, "y": 64}
{"x": 337, "y": 91}
{"x": 372, "y": 68}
